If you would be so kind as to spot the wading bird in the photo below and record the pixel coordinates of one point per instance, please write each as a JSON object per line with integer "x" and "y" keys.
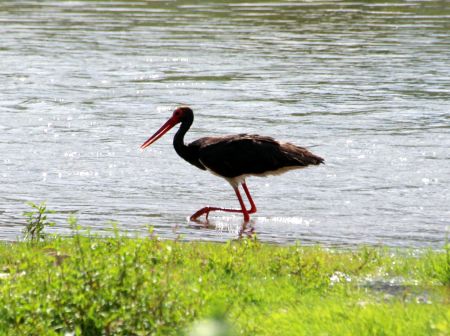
{"x": 234, "y": 157}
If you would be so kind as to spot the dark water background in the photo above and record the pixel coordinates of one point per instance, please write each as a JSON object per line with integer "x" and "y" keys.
{"x": 365, "y": 84}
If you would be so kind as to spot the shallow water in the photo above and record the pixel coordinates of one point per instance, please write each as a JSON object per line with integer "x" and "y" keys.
{"x": 366, "y": 85}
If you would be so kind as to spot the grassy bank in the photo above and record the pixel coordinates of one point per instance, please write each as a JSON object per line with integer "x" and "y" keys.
{"x": 121, "y": 286}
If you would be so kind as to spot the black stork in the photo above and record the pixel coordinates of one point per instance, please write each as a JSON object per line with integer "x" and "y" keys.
{"x": 234, "y": 157}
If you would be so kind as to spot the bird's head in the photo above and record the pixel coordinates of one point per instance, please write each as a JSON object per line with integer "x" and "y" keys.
{"x": 181, "y": 114}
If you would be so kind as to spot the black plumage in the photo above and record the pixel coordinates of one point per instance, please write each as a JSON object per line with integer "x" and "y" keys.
{"x": 250, "y": 154}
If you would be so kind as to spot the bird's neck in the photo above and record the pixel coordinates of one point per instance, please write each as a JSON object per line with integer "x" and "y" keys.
{"x": 178, "y": 141}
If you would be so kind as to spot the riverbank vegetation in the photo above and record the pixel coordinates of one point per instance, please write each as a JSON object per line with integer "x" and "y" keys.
{"x": 116, "y": 285}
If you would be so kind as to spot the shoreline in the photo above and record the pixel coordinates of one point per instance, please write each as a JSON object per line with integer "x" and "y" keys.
{"x": 121, "y": 285}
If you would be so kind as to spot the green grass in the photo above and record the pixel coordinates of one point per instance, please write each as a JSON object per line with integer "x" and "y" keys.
{"x": 87, "y": 285}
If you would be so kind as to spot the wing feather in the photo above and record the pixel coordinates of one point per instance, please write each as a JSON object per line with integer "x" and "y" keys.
{"x": 247, "y": 154}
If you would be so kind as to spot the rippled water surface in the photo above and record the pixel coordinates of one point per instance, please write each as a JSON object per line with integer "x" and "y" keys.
{"x": 364, "y": 84}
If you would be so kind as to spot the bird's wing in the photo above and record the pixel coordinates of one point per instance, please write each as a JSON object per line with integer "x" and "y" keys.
{"x": 241, "y": 154}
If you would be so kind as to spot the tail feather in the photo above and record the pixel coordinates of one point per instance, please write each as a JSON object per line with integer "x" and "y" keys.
{"x": 301, "y": 155}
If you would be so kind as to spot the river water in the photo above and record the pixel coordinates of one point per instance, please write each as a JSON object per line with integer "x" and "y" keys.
{"x": 365, "y": 84}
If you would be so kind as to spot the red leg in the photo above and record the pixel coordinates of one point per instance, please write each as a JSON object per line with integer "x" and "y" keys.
{"x": 207, "y": 210}
{"x": 252, "y": 204}
{"x": 243, "y": 210}
{"x": 241, "y": 202}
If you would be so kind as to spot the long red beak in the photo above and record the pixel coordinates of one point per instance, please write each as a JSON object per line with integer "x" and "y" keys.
{"x": 159, "y": 133}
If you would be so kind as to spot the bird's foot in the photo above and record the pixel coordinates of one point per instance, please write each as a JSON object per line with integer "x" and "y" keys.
{"x": 207, "y": 210}
{"x": 200, "y": 213}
